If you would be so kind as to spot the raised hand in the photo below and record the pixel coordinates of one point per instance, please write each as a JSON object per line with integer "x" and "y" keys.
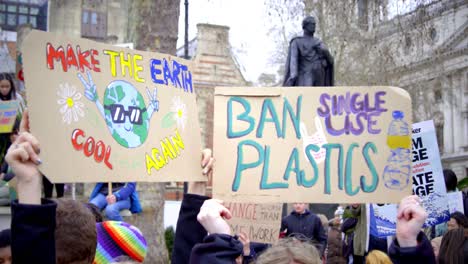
{"x": 410, "y": 219}
{"x": 23, "y": 158}
{"x": 90, "y": 87}
{"x": 211, "y": 217}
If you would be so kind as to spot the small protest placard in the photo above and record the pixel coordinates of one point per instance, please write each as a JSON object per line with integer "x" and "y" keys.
{"x": 110, "y": 114}
{"x": 8, "y": 112}
{"x": 428, "y": 183}
{"x": 260, "y": 222}
{"x": 455, "y": 200}
{"x": 312, "y": 144}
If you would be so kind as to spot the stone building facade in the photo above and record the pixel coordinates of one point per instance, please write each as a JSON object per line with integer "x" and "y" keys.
{"x": 431, "y": 63}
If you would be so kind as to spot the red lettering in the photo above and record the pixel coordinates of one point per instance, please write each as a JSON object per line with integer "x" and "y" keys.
{"x": 99, "y": 151}
{"x": 82, "y": 58}
{"x": 106, "y": 160}
{"x": 76, "y": 133}
{"x": 71, "y": 58}
{"x": 94, "y": 61}
{"x": 89, "y": 147}
{"x": 53, "y": 54}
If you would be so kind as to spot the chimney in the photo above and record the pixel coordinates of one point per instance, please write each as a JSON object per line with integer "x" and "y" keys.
{"x": 213, "y": 40}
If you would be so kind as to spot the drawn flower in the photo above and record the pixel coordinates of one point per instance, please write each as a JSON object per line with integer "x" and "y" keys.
{"x": 180, "y": 112}
{"x": 70, "y": 105}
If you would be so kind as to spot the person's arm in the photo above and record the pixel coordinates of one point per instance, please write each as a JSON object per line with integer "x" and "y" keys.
{"x": 219, "y": 246}
{"x": 189, "y": 231}
{"x": 411, "y": 245}
{"x": 33, "y": 219}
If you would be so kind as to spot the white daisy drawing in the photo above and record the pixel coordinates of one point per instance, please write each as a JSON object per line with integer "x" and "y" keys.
{"x": 71, "y": 107}
{"x": 180, "y": 112}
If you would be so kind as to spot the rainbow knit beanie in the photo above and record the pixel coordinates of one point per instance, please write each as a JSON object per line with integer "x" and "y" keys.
{"x": 116, "y": 239}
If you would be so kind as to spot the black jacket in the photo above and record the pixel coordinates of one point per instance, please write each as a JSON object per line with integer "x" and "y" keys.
{"x": 422, "y": 253}
{"x": 307, "y": 224}
{"x": 33, "y": 232}
{"x": 188, "y": 231}
{"x": 217, "y": 249}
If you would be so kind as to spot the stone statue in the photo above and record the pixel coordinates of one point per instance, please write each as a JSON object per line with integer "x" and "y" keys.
{"x": 309, "y": 62}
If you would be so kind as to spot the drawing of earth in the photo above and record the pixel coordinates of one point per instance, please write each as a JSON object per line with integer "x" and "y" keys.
{"x": 121, "y": 96}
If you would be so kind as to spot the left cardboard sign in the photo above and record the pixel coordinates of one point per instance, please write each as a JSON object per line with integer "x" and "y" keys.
{"x": 8, "y": 112}
{"x": 110, "y": 114}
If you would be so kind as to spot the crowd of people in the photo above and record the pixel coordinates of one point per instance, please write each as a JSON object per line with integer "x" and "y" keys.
{"x": 68, "y": 231}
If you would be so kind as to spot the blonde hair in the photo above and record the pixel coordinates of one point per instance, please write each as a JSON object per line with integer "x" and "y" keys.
{"x": 437, "y": 241}
{"x": 288, "y": 250}
{"x": 323, "y": 220}
{"x": 378, "y": 257}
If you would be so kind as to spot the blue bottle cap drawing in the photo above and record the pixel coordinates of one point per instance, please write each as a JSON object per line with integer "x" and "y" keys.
{"x": 398, "y": 114}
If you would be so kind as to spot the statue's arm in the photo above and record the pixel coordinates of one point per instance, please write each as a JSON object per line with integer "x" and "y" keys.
{"x": 293, "y": 62}
{"x": 326, "y": 53}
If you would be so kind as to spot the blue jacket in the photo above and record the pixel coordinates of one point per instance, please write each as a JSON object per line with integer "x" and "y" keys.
{"x": 129, "y": 190}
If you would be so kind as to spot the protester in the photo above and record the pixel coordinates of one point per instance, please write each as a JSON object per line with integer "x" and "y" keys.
{"x": 123, "y": 196}
{"x": 119, "y": 242}
{"x": 377, "y": 257}
{"x": 189, "y": 231}
{"x": 5, "y": 246}
{"x": 454, "y": 247}
{"x": 361, "y": 235}
{"x": 288, "y": 251}
{"x": 435, "y": 242}
{"x": 8, "y": 91}
{"x": 44, "y": 231}
{"x": 411, "y": 244}
{"x": 335, "y": 243}
{"x": 457, "y": 220}
{"x": 303, "y": 222}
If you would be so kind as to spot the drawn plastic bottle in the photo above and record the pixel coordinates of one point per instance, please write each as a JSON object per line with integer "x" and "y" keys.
{"x": 397, "y": 171}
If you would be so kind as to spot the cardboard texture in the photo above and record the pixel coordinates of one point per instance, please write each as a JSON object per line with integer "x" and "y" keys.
{"x": 110, "y": 114}
{"x": 8, "y": 112}
{"x": 312, "y": 144}
{"x": 260, "y": 222}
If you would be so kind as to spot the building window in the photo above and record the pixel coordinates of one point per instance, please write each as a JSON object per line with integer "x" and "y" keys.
{"x": 93, "y": 24}
{"x": 17, "y": 12}
{"x": 363, "y": 11}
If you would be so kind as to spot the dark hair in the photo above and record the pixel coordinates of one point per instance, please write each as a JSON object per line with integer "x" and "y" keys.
{"x": 95, "y": 211}
{"x": 451, "y": 248}
{"x": 450, "y": 180}
{"x": 5, "y": 238}
{"x": 75, "y": 233}
{"x": 12, "y": 94}
{"x": 461, "y": 219}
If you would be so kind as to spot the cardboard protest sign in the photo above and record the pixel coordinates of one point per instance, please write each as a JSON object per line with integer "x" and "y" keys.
{"x": 312, "y": 144}
{"x": 8, "y": 112}
{"x": 260, "y": 222}
{"x": 428, "y": 183}
{"x": 110, "y": 114}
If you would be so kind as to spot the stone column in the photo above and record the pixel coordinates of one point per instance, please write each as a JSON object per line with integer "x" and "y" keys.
{"x": 457, "y": 108}
{"x": 464, "y": 108}
{"x": 447, "y": 97}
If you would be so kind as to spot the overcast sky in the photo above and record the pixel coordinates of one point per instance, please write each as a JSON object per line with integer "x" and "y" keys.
{"x": 248, "y": 35}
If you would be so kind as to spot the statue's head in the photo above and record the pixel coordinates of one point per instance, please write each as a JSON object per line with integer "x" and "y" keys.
{"x": 308, "y": 24}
